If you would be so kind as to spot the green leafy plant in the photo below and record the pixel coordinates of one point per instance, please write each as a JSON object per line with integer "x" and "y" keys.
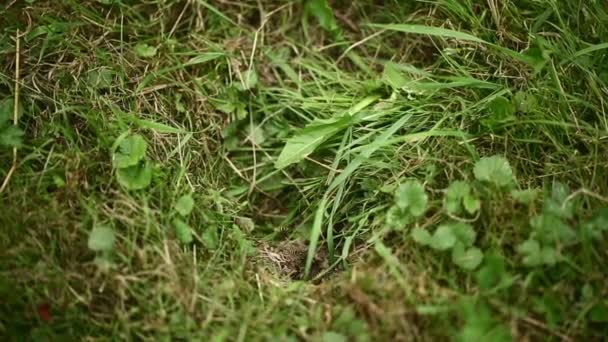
{"x": 144, "y": 50}
{"x": 131, "y": 151}
{"x": 550, "y": 230}
{"x": 535, "y": 254}
{"x": 458, "y": 196}
{"x": 494, "y": 170}
{"x": 596, "y": 226}
{"x": 183, "y": 231}
{"x": 480, "y": 323}
{"x": 501, "y": 110}
{"x": 101, "y": 240}
{"x": 410, "y": 203}
{"x": 493, "y": 273}
{"x": 183, "y": 206}
{"x": 133, "y": 172}
{"x": 526, "y": 196}
{"x": 456, "y": 236}
{"x": 321, "y": 10}
{"x": 10, "y": 135}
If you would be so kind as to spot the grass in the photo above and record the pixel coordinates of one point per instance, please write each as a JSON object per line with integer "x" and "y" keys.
{"x": 428, "y": 170}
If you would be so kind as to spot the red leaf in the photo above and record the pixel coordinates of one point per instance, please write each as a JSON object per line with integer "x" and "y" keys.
{"x": 44, "y": 312}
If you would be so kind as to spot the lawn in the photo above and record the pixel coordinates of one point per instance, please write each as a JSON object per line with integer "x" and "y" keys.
{"x": 304, "y": 170}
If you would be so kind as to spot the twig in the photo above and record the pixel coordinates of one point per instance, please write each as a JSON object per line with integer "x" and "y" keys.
{"x": 15, "y": 111}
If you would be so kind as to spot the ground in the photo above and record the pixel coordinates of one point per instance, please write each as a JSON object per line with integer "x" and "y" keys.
{"x": 303, "y": 170}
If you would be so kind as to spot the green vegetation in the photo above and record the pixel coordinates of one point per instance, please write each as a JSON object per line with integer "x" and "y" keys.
{"x": 304, "y": 170}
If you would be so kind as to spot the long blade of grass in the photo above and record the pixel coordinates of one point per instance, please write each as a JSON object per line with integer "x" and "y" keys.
{"x": 315, "y": 234}
{"x": 216, "y": 12}
{"x": 447, "y": 33}
{"x": 430, "y": 30}
{"x": 585, "y": 51}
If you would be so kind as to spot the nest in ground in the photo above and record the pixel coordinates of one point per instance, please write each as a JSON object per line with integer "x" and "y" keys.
{"x": 288, "y": 259}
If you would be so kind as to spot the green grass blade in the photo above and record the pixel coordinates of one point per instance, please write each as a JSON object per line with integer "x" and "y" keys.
{"x": 306, "y": 142}
{"x": 429, "y": 30}
{"x": 367, "y": 151}
{"x": 312, "y": 136}
{"x": 315, "y": 233}
{"x": 157, "y": 126}
{"x": 447, "y": 33}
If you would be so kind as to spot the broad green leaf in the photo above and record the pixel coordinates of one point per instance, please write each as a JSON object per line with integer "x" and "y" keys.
{"x": 321, "y": 10}
{"x": 501, "y": 109}
{"x": 552, "y": 229}
{"x": 421, "y": 236}
{"x": 249, "y": 79}
{"x": 559, "y": 192}
{"x": 411, "y": 196}
{"x": 464, "y": 233}
{"x": 524, "y": 196}
{"x": 6, "y": 111}
{"x": 599, "y": 313}
{"x": 557, "y": 204}
{"x": 525, "y": 102}
{"x": 398, "y": 218}
{"x": 183, "y": 232}
{"x": 536, "y": 255}
{"x": 100, "y": 78}
{"x": 331, "y": 336}
{"x": 184, "y": 205}
{"x": 471, "y": 204}
{"x": 492, "y": 272}
{"x": 594, "y": 228}
{"x": 10, "y": 136}
{"x": 210, "y": 238}
{"x": 530, "y": 249}
{"x": 257, "y": 134}
{"x": 443, "y": 238}
{"x": 538, "y": 55}
{"x": 135, "y": 177}
{"x": 549, "y": 255}
{"x": 468, "y": 259}
{"x": 308, "y": 139}
{"x": 454, "y": 196}
{"x": 495, "y": 170}
{"x": 144, "y": 50}
{"x": 101, "y": 239}
{"x": 393, "y": 77}
{"x": 130, "y": 151}
{"x": 480, "y": 324}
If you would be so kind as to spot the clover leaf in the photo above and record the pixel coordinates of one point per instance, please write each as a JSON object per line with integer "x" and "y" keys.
{"x": 495, "y": 170}
{"x": 411, "y": 196}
